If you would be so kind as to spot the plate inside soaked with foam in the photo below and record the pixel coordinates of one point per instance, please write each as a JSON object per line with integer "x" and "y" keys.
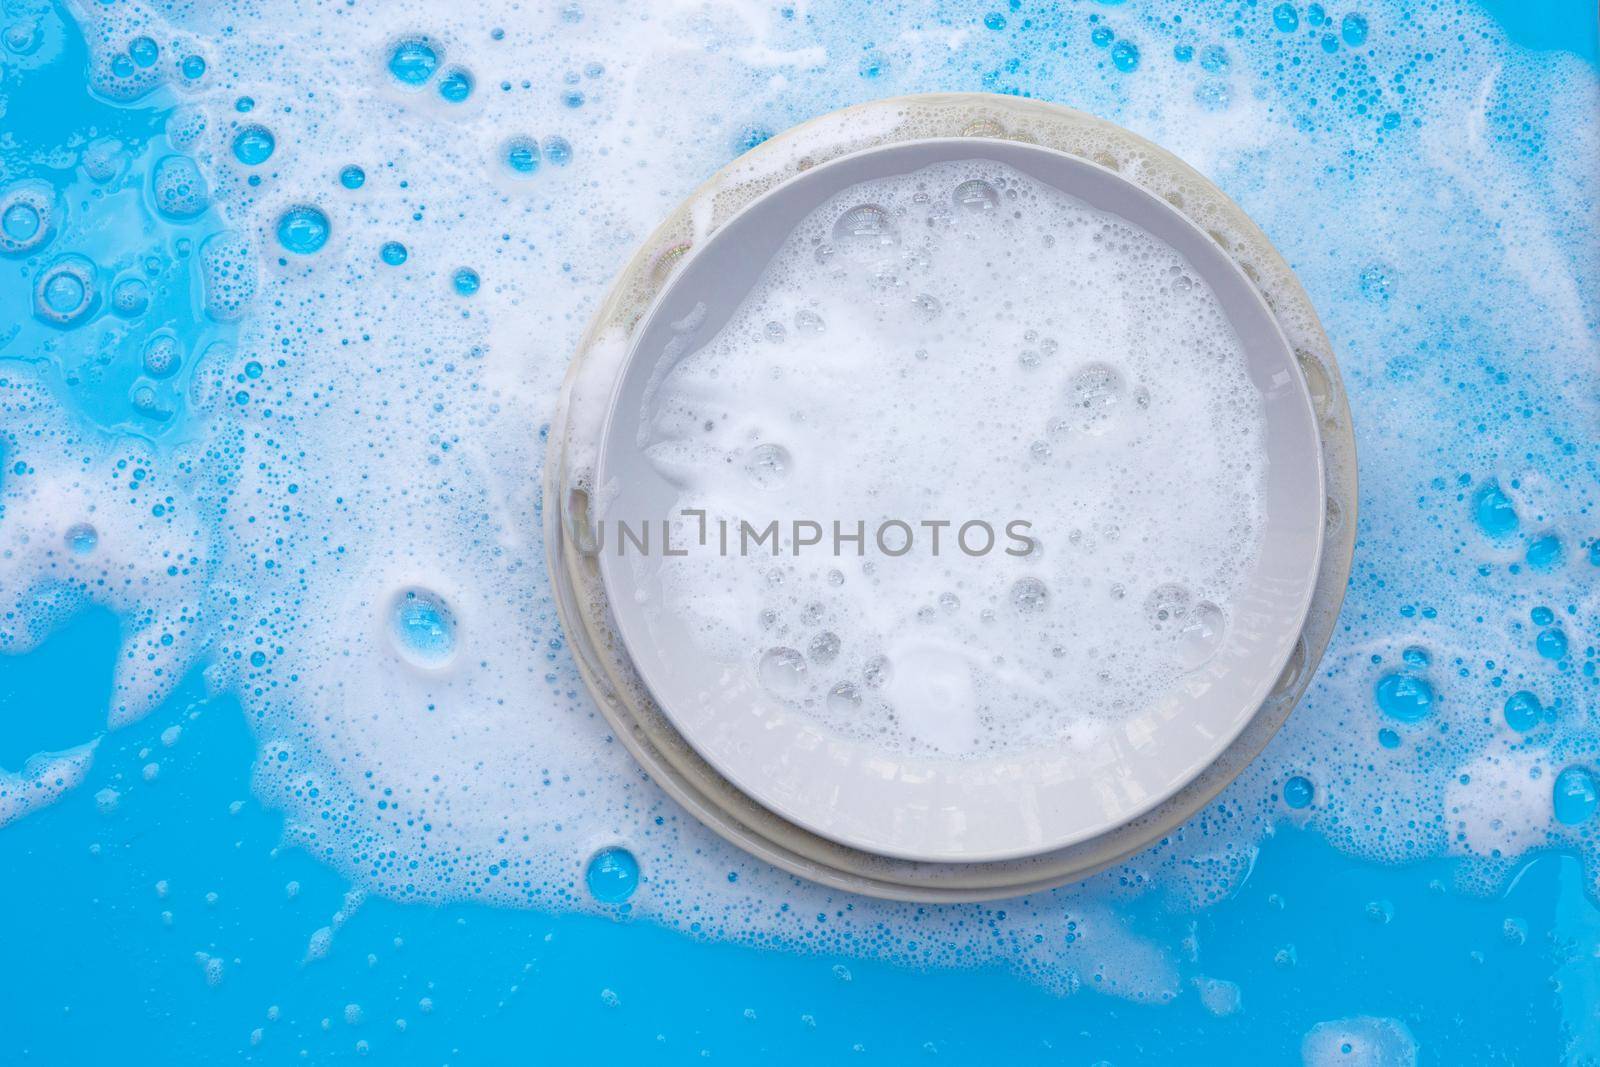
{"x": 959, "y": 500}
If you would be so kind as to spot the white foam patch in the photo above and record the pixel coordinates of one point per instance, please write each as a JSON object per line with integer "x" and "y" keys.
{"x": 1359, "y": 1041}
{"x": 982, "y": 381}
{"x": 392, "y": 441}
{"x": 43, "y": 780}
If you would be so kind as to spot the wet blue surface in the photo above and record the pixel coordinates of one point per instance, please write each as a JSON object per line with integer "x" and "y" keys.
{"x": 105, "y": 958}
{"x": 156, "y": 917}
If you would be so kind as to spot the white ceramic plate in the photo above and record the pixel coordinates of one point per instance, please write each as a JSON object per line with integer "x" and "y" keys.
{"x": 937, "y": 809}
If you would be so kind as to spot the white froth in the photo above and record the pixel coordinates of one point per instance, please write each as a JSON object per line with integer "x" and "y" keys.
{"x": 393, "y": 440}
{"x": 989, "y": 382}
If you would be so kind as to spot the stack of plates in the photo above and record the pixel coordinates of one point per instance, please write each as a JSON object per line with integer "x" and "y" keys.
{"x": 848, "y": 813}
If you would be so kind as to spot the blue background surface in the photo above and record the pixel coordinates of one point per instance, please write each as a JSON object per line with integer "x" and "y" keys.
{"x": 96, "y": 972}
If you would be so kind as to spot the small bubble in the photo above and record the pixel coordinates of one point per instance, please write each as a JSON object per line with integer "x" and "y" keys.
{"x": 162, "y": 355}
{"x": 253, "y": 145}
{"x": 1493, "y": 510}
{"x": 926, "y": 306}
{"x": 612, "y": 875}
{"x": 807, "y": 321}
{"x": 1575, "y": 795}
{"x": 1029, "y": 595}
{"x": 66, "y": 291}
{"x": 873, "y": 65}
{"x": 393, "y": 253}
{"x": 521, "y": 155}
{"x": 27, "y": 217}
{"x": 1200, "y": 635}
{"x": 865, "y": 231}
{"x": 1214, "y": 58}
{"x": 768, "y": 465}
{"x": 423, "y": 627}
{"x": 844, "y": 699}
{"x": 180, "y": 189}
{"x": 466, "y": 281}
{"x": 82, "y": 538}
{"x": 558, "y": 151}
{"x": 1551, "y": 643}
{"x": 783, "y": 671}
{"x": 1523, "y": 711}
{"x": 1545, "y": 552}
{"x": 413, "y": 61}
{"x": 976, "y": 196}
{"x": 130, "y": 297}
{"x": 20, "y": 221}
{"x": 1167, "y": 605}
{"x": 824, "y": 647}
{"x": 1095, "y": 392}
{"x": 456, "y": 85}
{"x": 1377, "y": 281}
{"x": 1404, "y": 697}
{"x": 352, "y": 177}
{"x": 303, "y": 229}
{"x": 1298, "y": 792}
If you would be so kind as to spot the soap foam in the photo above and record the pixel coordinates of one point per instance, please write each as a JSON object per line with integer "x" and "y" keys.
{"x": 389, "y": 440}
{"x": 964, "y": 345}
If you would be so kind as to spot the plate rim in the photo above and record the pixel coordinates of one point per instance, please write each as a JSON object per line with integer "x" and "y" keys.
{"x": 968, "y": 147}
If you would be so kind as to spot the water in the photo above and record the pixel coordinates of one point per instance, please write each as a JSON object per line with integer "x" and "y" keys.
{"x": 244, "y": 801}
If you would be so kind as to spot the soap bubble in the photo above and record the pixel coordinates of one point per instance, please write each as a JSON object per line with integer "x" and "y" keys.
{"x": 1095, "y": 393}
{"x": 1493, "y": 510}
{"x": 824, "y": 648}
{"x": 130, "y": 297}
{"x": 456, "y": 85}
{"x": 27, "y": 217}
{"x": 1167, "y": 605}
{"x": 1575, "y": 795}
{"x": 180, "y": 189}
{"x": 1523, "y": 711}
{"x": 1298, "y": 792}
{"x": 1029, "y": 595}
{"x": 253, "y": 145}
{"x": 303, "y": 229}
{"x": 521, "y": 156}
{"x": 783, "y": 671}
{"x": 422, "y": 627}
{"x": 1404, "y": 697}
{"x": 82, "y": 538}
{"x": 162, "y": 355}
{"x": 413, "y": 61}
{"x": 1200, "y": 635}
{"x": 976, "y": 195}
{"x": 612, "y": 875}
{"x": 865, "y": 231}
{"x": 66, "y": 292}
{"x": 844, "y": 699}
{"x": 558, "y": 151}
{"x": 768, "y": 465}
